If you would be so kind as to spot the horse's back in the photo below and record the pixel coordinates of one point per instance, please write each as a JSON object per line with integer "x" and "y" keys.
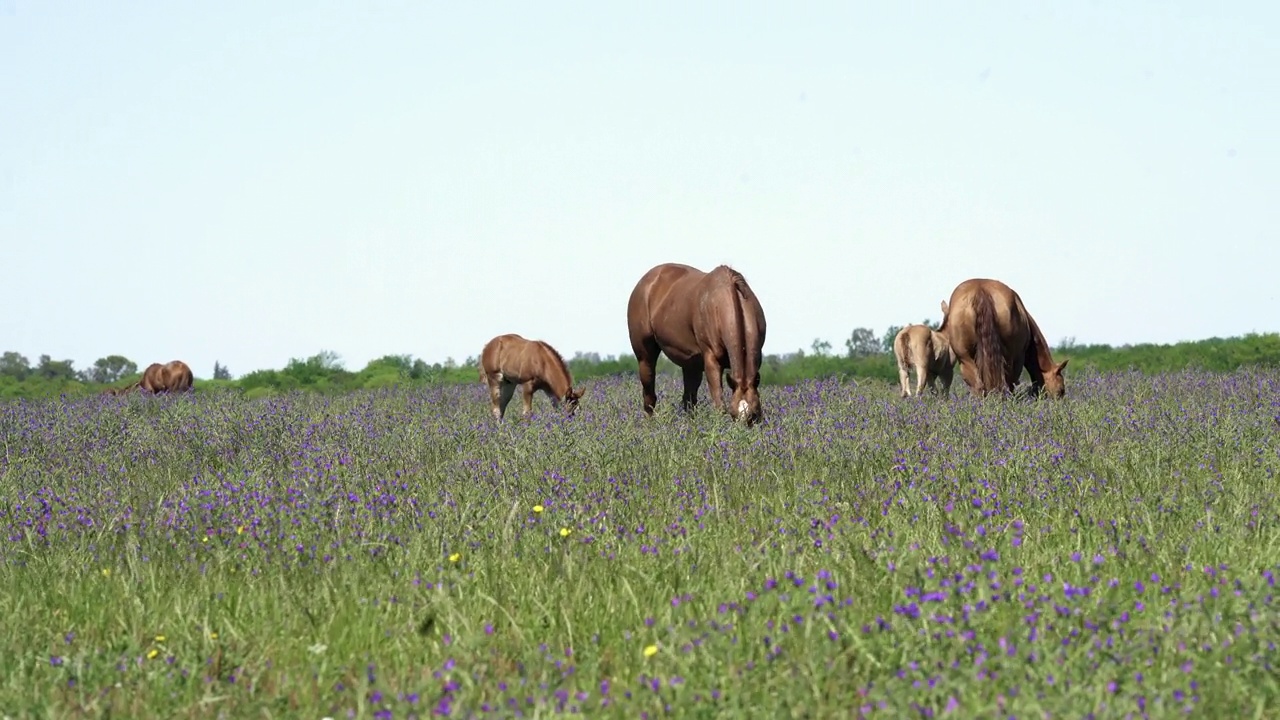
{"x": 516, "y": 358}
{"x": 664, "y": 292}
{"x": 914, "y": 344}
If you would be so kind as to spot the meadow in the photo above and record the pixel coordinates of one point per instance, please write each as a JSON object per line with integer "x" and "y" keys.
{"x": 393, "y": 553}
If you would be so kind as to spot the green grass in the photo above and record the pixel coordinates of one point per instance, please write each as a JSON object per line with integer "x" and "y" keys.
{"x": 314, "y": 556}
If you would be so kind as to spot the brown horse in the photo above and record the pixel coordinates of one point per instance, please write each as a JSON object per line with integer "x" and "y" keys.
{"x": 994, "y": 337}
{"x": 704, "y": 322}
{"x": 173, "y": 376}
{"x": 928, "y": 351}
{"x": 510, "y": 360}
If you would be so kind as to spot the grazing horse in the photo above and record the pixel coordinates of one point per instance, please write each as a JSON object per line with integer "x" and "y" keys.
{"x": 928, "y": 351}
{"x": 173, "y": 376}
{"x": 510, "y": 360}
{"x": 994, "y": 337}
{"x": 703, "y": 322}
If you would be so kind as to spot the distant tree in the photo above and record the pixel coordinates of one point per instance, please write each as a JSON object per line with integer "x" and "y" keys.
{"x": 1067, "y": 343}
{"x": 450, "y": 363}
{"x": 327, "y": 360}
{"x": 402, "y": 363}
{"x": 15, "y": 365}
{"x": 886, "y": 342}
{"x": 110, "y": 369}
{"x": 420, "y": 370}
{"x": 862, "y": 342}
{"x": 50, "y": 369}
{"x": 820, "y": 347}
{"x": 220, "y": 371}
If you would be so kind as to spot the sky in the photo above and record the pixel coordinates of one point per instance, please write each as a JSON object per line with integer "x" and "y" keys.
{"x": 250, "y": 182}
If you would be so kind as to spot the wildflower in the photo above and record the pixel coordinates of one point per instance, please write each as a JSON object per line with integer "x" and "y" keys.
{"x": 651, "y": 650}
{"x": 564, "y": 532}
{"x": 537, "y": 508}
{"x": 455, "y": 557}
{"x": 239, "y": 529}
{"x": 152, "y": 655}
{"x": 160, "y": 638}
{"x": 106, "y": 572}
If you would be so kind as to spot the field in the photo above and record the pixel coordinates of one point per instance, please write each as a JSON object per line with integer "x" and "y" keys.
{"x": 393, "y": 554}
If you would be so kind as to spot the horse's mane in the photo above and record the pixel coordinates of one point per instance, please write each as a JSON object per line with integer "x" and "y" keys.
{"x": 1037, "y": 337}
{"x": 554, "y": 353}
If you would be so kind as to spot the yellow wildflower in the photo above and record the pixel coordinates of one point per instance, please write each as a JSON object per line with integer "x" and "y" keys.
{"x": 455, "y": 557}
{"x": 239, "y": 529}
{"x": 651, "y": 650}
{"x": 537, "y": 508}
{"x": 213, "y": 636}
{"x": 160, "y": 638}
{"x": 152, "y": 655}
{"x": 106, "y": 572}
{"x": 564, "y": 532}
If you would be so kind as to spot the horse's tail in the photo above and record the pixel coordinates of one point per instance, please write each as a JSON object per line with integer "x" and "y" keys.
{"x": 737, "y": 345}
{"x": 902, "y": 349}
{"x": 741, "y": 355}
{"x": 991, "y": 362}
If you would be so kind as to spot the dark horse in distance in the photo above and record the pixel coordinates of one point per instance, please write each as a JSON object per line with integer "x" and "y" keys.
{"x": 704, "y": 322}
{"x": 994, "y": 337}
{"x": 173, "y": 376}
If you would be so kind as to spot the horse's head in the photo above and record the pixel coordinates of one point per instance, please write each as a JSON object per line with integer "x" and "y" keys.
{"x": 571, "y": 398}
{"x": 745, "y": 403}
{"x": 1055, "y": 386}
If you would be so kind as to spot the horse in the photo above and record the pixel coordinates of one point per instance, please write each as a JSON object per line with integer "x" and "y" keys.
{"x": 510, "y": 360}
{"x": 928, "y": 351}
{"x": 173, "y": 376}
{"x": 703, "y": 322}
{"x": 994, "y": 337}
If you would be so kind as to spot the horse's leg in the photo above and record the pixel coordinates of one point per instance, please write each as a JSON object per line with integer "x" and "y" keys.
{"x": 507, "y": 392}
{"x": 1015, "y": 374}
{"x": 527, "y": 392}
{"x": 922, "y": 377}
{"x": 647, "y": 360}
{"x": 692, "y": 381}
{"x": 1032, "y": 361}
{"x": 495, "y": 396}
{"x": 947, "y": 374}
{"x": 969, "y": 371}
{"x": 715, "y": 376}
{"x": 904, "y": 379}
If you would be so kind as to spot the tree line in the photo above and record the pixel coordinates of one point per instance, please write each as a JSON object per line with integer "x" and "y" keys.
{"x": 866, "y": 354}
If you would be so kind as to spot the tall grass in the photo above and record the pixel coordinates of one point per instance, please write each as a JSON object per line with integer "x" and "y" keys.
{"x": 395, "y": 554}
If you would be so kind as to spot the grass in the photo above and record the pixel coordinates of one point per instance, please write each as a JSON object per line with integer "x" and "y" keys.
{"x": 393, "y": 554}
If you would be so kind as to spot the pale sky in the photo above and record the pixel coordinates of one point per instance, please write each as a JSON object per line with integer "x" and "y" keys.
{"x": 253, "y": 181}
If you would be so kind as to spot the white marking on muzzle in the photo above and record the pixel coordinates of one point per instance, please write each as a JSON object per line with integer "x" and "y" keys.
{"x": 742, "y": 408}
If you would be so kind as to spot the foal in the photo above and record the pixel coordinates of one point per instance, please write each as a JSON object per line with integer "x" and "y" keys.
{"x": 928, "y": 351}
{"x": 510, "y": 360}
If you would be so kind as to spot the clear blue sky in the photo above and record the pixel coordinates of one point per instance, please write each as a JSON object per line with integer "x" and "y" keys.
{"x": 254, "y": 181}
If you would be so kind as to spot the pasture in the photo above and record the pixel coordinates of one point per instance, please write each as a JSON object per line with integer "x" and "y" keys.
{"x": 398, "y": 554}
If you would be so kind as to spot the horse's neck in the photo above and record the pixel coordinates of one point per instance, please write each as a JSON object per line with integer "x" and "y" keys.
{"x": 1043, "y": 358}
{"x": 557, "y": 377}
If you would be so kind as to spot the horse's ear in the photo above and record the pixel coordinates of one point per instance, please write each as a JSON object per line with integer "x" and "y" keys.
{"x": 1063, "y": 365}
{"x": 944, "y": 307}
